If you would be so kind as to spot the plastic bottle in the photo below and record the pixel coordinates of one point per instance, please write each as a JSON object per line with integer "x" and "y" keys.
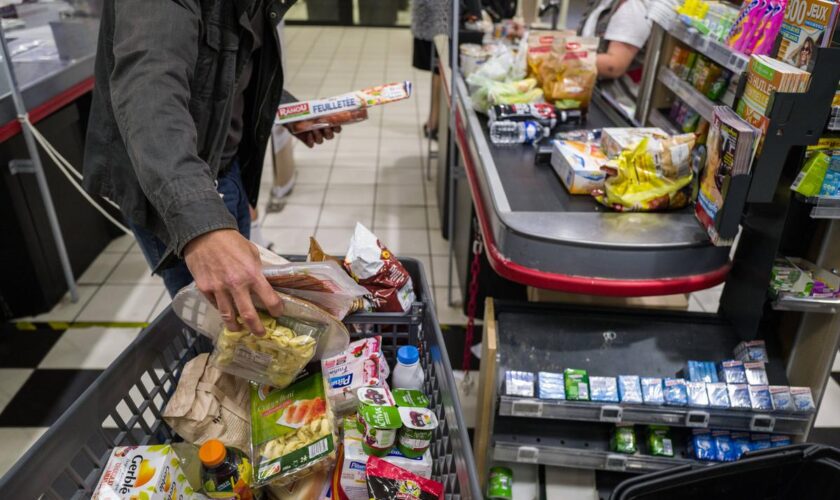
{"x": 224, "y": 470}
{"x": 510, "y": 132}
{"x": 408, "y": 374}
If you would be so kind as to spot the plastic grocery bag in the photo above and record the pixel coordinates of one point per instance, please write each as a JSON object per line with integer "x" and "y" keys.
{"x": 303, "y": 333}
{"x": 325, "y": 284}
{"x": 568, "y": 74}
{"x": 639, "y": 186}
{"x": 489, "y": 93}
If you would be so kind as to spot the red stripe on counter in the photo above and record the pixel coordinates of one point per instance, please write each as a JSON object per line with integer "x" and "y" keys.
{"x": 52, "y": 105}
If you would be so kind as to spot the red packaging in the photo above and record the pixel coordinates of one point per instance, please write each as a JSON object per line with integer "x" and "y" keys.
{"x": 387, "y": 481}
{"x": 371, "y": 264}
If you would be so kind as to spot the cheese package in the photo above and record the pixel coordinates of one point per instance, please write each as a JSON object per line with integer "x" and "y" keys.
{"x": 148, "y": 472}
{"x": 342, "y": 109}
{"x": 578, "y": 164}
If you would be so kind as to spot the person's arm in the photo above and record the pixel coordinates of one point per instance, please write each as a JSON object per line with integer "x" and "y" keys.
{"x": 155, "y": 50}
{"x": 615, "y": 61}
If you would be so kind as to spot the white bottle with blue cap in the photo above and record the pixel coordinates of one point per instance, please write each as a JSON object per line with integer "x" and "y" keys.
{"x": 408, "y": 374}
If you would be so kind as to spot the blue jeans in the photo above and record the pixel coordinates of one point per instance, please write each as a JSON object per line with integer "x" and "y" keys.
{"x": 178, "y": 276}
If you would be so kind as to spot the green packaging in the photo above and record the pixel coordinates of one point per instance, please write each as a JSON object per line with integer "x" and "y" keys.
{"x": 811, "y": 177}
{"x": 410, "y": 398}
{"x": 623, "y": 439}
{"x": 659, "y": 441}
{"x": 577, "y": 384}
{"x": 418, "y": 427}
{"x": 500, "y": 484}
{"x": 378, "y": 425}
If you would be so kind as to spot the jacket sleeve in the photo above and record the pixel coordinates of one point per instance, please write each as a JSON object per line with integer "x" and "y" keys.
{"x": 155, "y": 51}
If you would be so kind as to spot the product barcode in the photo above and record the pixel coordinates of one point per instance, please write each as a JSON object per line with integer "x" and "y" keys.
{"x": 318, "y": 448}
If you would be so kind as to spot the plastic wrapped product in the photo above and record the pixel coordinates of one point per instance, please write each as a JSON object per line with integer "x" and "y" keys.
{"x": 778, "y": 440}
{"x": 551, "y": 385}
{"x": 739, "y": 396}
{"x": 723, "y": 446}
{"x": 780, "y": 395}
{"x": 386, "y": 481}
{"x": 629, "y": 389}
{"x": 755, "y": 373}
{"x": 375, "y": 396}
{"x": 659, "y": 441}
{"x": 623, "y": 439}
{"x": 732, "y": 372}
{"x": 702, "y": 371}
{"x": 752, "y": 350}
{"x": 410, "y": 398}
{"x": 740, "y": 443}
{"x": 345, "y": 380}
{"x": 378, "y": 425}
{"x": 703, "y": 447}
{"x": 675, "y": 392}
{"x": 652, "y": 391}
{"x": 418, "y": 427}
{"x": 325, "y": 284}
{"x": 371, "y": 264}
{"x": 760, "y": 442}
{"x": 292, "y": 431}
{"x": 604, "y": 389}
{"x": 144, "y": 472}
{"x": 519, "y": 384}
{"x": 802, "y": 399}
{"x": 718, "y": 395}
{"x": 697, "y": 394}
{"x": 577, "y": 384}
{"x": 614, "y": 140}
{"x": 543, "y": 113}
{"x": 760, "y": 398}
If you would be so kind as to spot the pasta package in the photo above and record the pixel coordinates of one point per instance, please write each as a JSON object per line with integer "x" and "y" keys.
{"x": 568, "y": 74}
{"x": 292, "y": 431}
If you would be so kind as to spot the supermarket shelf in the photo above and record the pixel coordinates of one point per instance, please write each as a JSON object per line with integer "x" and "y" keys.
{"x": 700, "y": 103}
{"x": 783, "y": 423}
{"x": 659, "y": 119}
{"x": 823, "y": 208}
{"x": 806, "y": 304}
{"x": 714, "y": 50}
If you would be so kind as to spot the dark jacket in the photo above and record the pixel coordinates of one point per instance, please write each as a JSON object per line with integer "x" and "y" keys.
{"x": 165, "y": 74}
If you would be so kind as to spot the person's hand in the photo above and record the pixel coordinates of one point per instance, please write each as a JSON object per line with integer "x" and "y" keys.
{"x": 227, "y": 270}
{"x": 317, "y": 136}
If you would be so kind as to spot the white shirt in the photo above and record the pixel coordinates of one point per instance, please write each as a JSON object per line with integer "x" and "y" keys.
{"x": 629, "y": 24}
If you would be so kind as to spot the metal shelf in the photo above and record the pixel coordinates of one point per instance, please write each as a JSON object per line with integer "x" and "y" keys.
{"x": 700, "y": 103}
{"x": 824, "y": 208}
{"x": 786, "y": 302}
{"x": 778, "y": 422}
{"x": 718, "y": 52}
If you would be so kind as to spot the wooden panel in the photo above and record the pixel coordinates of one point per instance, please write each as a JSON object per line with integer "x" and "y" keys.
{"x": 486, "y": 404}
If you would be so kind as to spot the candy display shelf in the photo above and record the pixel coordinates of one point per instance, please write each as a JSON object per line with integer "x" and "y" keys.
{"x": 786, "y": 302}
{"x": 693, "y": 97}
{"x": 718, "y": 52}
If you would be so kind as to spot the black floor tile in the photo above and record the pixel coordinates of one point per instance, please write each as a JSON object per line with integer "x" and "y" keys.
{"x": 25, "y": 348}
{"x": 45, "y": 396}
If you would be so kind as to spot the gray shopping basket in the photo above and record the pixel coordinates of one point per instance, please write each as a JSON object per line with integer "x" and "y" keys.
{"x": 123, "y": 406}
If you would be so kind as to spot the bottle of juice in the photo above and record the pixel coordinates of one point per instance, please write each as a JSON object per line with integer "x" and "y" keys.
{"x": 225, "y": 470}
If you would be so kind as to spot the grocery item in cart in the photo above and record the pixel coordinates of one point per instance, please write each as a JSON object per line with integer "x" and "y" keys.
{"x": 378, "y": 425}
{"x": 325, "y": 284}
{"x": 418, "y": 427}
{"x": 371, "y": 264}
{"x": 339, "y": 110}
{"x": 152, "y": 472}
{"x": 292, "y": 431}
{"x": 410, "y": 398}
{"x": 386, "y": 481}
{"x": 226, "y": 472}
{"x": 361, "y": 365}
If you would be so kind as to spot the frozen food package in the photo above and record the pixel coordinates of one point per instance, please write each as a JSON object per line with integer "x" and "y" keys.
{"x": 292, "y": 431}
{"x": 371, "y": 264}
{"x": 325, "y": 284}
{"x": 341, "y": 109}
{"x": 303, "y": 333}
{"x": 386, "y": 481}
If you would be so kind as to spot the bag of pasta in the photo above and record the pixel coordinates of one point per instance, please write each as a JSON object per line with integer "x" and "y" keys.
{"x": 292, "y": 431}
{"x": 569, "y": 72}
{"x": 539, "y": 45}
{"x": 637, "y": 182}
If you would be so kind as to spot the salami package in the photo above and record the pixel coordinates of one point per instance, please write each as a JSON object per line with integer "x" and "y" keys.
{"x": 387, "y": 481}
{"x": 371, "y": 264}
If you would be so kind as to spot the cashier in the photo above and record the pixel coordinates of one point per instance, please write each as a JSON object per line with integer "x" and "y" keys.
{"x": 184, "y": 99}
{"x": 623, "y": 27}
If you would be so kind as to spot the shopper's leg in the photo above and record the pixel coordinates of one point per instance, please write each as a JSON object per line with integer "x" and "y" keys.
{"x": 175, "y": 277}
{"x": 432, "y": 122}
{"x": 233, "y": 193}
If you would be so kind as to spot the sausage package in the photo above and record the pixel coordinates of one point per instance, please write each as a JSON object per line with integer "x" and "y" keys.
{"x": 371, "y": 264}
{"x": 387, "y": 481}
{"x": 342, "y": 109}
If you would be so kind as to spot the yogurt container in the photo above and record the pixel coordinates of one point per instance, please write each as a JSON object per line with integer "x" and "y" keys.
{"x": 410, "y": 398}
{"x": 419, "y": 425}
{"x": 378, "y": 425}
{"x": 375, "y": 396}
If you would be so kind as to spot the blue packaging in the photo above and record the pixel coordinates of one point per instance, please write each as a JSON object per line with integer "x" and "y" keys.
{"x": 739, "y": 396}
{"x": 740, "y": 443}
{"x": 697, "y": 395}
{"x": 702, "y": 371}
{"x": 760, "y": 398}
{"x": 603, "y": 389}
{"x": 652, "y": 391}
{"x": 780, "y": 395}
{"x": 752, "y": 350}
{"x": 675, "y": 392}
{"x": 718, "y": 395}
{"x": 759, "y": 442}
{"x": 724, "y": 447}
{"x": 755, "y": 372}
{"x": 629, "y": 389}
{"x": 779, "y": 440}
{"x": 802, "y": 399}
{"x": 519, "y": 384}
{"x": 551, "y": 385}
{"x": 703, "y": 446}
{"x": 732, "y": 372}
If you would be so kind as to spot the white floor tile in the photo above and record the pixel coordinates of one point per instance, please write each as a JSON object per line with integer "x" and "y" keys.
{"x": 345, "y": 216}
{"x": 162, "y": 304}
{"x": 694, "y": 304}
{"x": 334, "y": 241}
{"x": 570, "y": 484}
{"x": 11, "y": 380}
{"x": 361, "y": 194}
{"x": 122, "y": 303}
{"x": 133, "y": 269}
{"x": 66, "y": 310}
{"x": 404, "y": 241}
{"x": 836, "y": 366}
{"x": 368, "y": 159}
{"x": 289, "y": 241}
{"x": 404, "y": 217}
{"x": 829, "y": 414}
{"x": 88, "y": 348}
{"x": 307, "y": 194}
{"x": 400, "y": 195}
{"x": 120, "y": 245}
{"x": 349, "y": 175}
{"x": 16, "y": 441}
{"x": 434, "y": 217}
{"x": 98, "y": 270}
{"x": 410, "y": 176}
{"x": 440, "y": 273}
{"x": 312, "y": 174}
{"x": 292, "y": 216}
{"x": 439, "y": 245}
{"x": 425, "y": 259}
{"x": 446, "y": 314}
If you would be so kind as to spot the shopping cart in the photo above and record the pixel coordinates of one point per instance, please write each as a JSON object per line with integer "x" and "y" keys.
{"x": 123, "y": 406}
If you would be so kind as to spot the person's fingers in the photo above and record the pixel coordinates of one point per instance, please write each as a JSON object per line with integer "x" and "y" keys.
{"x": 268, "y": 297}
{"x": 337, "y": 129}
{"x": 328, "y": 133}
{"x": 247, "y": 311}
{"x": 318, "y": 136}
{"x": 307, "y": 139}
{"x": 226, "y": 310}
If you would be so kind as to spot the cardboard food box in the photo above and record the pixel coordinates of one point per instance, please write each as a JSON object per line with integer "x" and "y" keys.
{"x": 579, "y": 165}
{"x": 144, "y": 473}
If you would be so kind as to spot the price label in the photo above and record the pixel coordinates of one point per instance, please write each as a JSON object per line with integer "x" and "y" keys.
{"x": 762, "y": 423}
{"x": 697, "y": 418}
{"x": 611, "y": 413}
{"x": 527, "y": 454}
{"x": 527, "y": 409}
{"x": 616, "y": 462}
